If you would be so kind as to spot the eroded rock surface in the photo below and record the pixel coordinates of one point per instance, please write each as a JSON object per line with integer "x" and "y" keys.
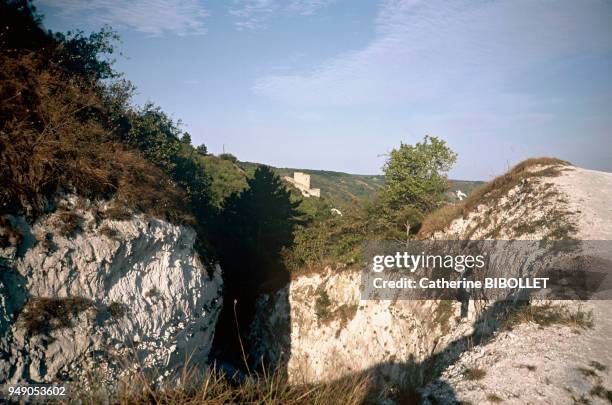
{"x": 89, "y": 294}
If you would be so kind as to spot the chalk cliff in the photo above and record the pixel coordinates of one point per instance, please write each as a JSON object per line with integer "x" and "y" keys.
{"x": 93, "y": 292}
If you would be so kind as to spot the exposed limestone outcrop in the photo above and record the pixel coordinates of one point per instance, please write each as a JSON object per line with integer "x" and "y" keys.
{"x": 86, "y": 293}
{"x": 322, "y": 330}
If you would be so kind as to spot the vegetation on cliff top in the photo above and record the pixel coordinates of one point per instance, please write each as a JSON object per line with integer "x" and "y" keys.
{"x": 490, "y": 192}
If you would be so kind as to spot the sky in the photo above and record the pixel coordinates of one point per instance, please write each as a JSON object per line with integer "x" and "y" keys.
{"x": 337, "y": 84}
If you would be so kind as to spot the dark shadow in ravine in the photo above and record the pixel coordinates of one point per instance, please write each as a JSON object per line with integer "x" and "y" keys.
{"x": 250, "y": 233}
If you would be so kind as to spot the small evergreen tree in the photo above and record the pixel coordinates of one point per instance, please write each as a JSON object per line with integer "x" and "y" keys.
{"x": 202, "y": 150}
{"x": 253, "y": 228}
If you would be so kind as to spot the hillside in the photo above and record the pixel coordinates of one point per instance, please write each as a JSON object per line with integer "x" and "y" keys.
{"x": 138, "y": 268}
{"x": 344, "y": 188}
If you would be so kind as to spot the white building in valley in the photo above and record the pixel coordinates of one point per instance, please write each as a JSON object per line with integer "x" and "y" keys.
{"x": 301, "y": 181}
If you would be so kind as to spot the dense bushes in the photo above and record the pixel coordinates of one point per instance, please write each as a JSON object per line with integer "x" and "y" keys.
{"x": 162, "y": 143}
{"x": 51, "y": 140}
{"x": 62, "y": 128}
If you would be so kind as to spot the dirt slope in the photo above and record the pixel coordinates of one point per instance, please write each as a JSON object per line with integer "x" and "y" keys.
{"x": 559, "y": 364}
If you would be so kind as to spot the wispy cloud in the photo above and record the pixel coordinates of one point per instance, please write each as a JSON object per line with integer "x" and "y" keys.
{"x": 465, "y": 52}
{"x": 253, "y": 14}
{"x": 155, "y": 17}
{"x": 307, "y": 7}
{"x": 256, "y": 14}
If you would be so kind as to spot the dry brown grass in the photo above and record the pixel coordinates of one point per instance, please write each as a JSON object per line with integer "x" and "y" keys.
{"x": 69, "y": 222}
{"x": 474, "y": 374}
{"x": 547, "y": 314}
{"x": 53, "y": 139}
{"x": 494, "y": 398}
{"x": 9, "y": 234}
{"x": 490, "y": 192}
{"x": 216, "y": 388}
{"x": 42, "y": 315}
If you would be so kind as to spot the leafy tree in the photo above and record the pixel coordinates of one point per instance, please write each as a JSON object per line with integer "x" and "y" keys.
{"x": 415, "y": 176}
{"x": 156, "y": 135}
{"x": 88, "y": 55}
{"x": 226, "y": 180}
{"x": 202, "y": 150}
{"x": 254, "y": 226}
{"x": 186, "y": 138}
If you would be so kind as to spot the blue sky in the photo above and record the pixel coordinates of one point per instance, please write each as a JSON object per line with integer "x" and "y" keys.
{"x": 335, "y": 84}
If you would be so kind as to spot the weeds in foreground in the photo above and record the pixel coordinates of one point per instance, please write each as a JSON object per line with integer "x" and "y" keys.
{"x": 547, "y": 314}
{"x": 215, "y": 387}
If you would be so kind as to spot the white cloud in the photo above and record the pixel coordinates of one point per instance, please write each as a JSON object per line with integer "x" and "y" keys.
{"x": 428, "y": 50}
{"x": 256, "y": 14}
{"x": 155, "y": 17}
{"x": 253, "y": 14}
{"x": 307, "y": 7}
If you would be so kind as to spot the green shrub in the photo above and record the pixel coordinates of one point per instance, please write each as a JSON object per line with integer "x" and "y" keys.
{"x": 323, "y": 305}
{"x": 229, "y": 157}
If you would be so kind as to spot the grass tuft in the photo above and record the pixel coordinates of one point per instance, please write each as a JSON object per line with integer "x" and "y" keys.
{"x": 323, "y": 305}
{"x": 41, "y": 315}
{"x": 70, "y": 223}
{"x": 601, "y": 392}
{"x": 474, "y": 374}
{"x": 545, "y": 315}
{"x": 117, "y": 310}
{"x": 494, "y": 398}
{"x": 216, "y": 388}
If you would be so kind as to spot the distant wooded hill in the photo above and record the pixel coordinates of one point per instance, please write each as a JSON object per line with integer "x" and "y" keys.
{"x": 344, "y": 188}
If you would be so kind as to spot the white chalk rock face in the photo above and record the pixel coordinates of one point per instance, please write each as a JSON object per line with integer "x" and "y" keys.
{"x": 320, "y": 329}
{"x": 85, "y": 293}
